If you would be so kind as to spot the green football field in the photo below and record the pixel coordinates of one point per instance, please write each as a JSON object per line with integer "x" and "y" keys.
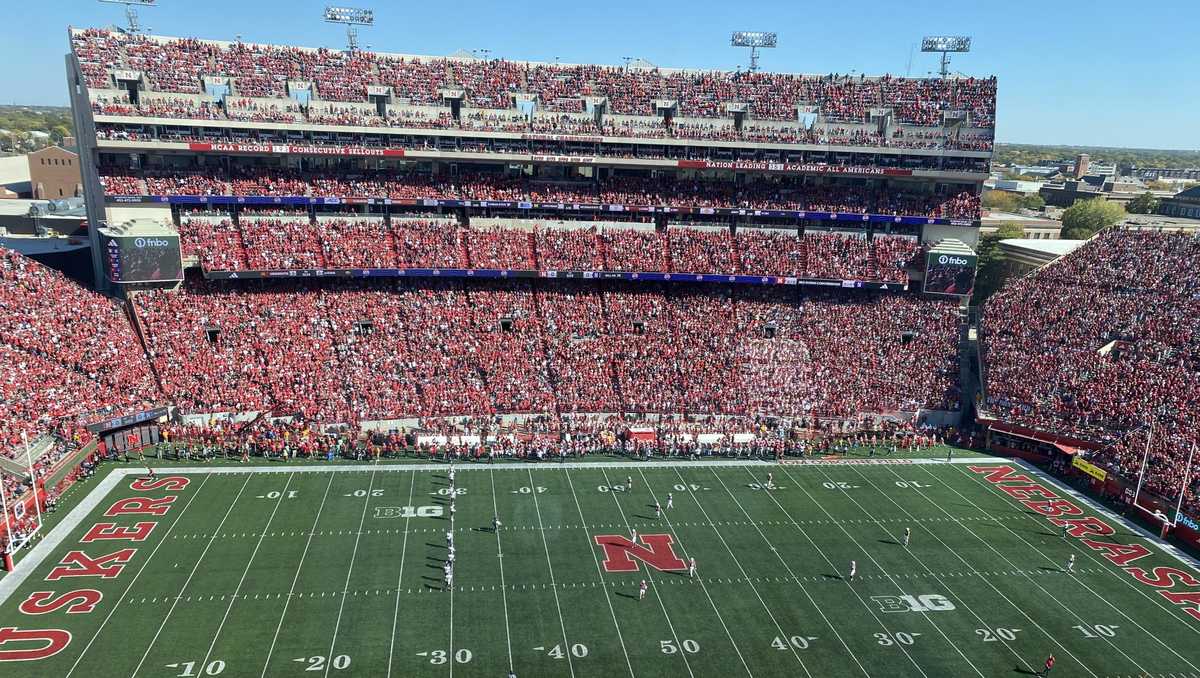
{"x": 338, "y": 571}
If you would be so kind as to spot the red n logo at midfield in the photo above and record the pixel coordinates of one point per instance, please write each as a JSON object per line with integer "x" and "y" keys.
{"x": 620, "y": 553}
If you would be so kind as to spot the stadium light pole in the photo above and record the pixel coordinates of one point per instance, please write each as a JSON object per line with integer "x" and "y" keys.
{"x": 945, "y": 44}
{"x": 754, "y": 40}
{"x": 131, "y": 14}
{"x": 352, "y": 17}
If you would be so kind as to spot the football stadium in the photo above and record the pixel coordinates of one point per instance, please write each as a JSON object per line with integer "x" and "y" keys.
{"x": 411, "y": 365}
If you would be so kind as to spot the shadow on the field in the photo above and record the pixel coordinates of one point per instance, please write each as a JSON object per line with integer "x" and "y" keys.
{"x": 487, "y": 528}
{"x": 626, "y": 595}
{"x": 1025, "y": 672}
{"x": 887, "y": 541}
{"x": 638, "y": 515}
{"x": 832, "y": 576}
{"x": 434, "y": 546}
{"x": 436, "y": 560}
{"x": 1050, "y": 569}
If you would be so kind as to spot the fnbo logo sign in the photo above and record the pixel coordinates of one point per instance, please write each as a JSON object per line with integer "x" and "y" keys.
{"x": 947, "y": 259}
{"x": 151, "y": 242}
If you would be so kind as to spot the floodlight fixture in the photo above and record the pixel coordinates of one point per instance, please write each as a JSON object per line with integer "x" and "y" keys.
{"x": 131, "y": 15}
{"x": 754, "y": 40}
{"x": 945, "y": 44}
{"x": 352, "y": 17}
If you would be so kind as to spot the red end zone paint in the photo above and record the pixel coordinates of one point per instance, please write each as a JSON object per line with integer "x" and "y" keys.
{"x": 149, "y": 505}
{"x": 80, "y": 601}
{"x": 18, "y": 644}
{"x": 172, "y": 483}
{"x": 80, "y": 564}
{"x": 1082, "y": 527}
{"x": 14, "y": 643}
{"x": 621, "y": 554}
{"x": 102, "y": 531}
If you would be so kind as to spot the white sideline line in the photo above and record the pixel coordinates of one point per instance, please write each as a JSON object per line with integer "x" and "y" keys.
{"x": 117, "y": 602}
{"x": 1167, "y": 548}
{"x": 661, "y": 604}
{"x": 547, "y": 465}
{"x": 600, "y": 578}
{"x": 242, "y": 580}
{"x": 1091, "y": 555}
{"x": 700, "y": 580}
{"x": 546, "y": 546}
{"x": 941, "y": 579}
{"x": 349, "y": 571}
{"x": 745, "y": 575}
{"x": 13, "y": 580}
{"x": 287, "y": 601}
{"x": 191, "y": 574}
{"x": 500, "y": 559}
{"x": 400, "y": 578}
{"x": 994, "y": 492}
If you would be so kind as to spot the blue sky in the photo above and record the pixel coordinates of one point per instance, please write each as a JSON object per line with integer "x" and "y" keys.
{"x": 1103, "y": 73}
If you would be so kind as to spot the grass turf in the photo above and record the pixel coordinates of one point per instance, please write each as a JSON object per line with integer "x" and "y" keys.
{"x": 321, "y": 572}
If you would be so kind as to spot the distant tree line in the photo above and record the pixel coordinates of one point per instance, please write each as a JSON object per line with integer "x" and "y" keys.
{"x": 18, "y": 121}
{"x": 1032, "y": 154}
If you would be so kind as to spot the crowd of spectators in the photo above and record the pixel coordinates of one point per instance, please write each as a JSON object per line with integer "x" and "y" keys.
{"x": 1102, "y": 345}
{"x": 363, "y": 350}
{"x": 178, "y": 65}
{"x": 771, "y": 193}
{"x": 67, "y": 351}
{"x": 290, "y": 241}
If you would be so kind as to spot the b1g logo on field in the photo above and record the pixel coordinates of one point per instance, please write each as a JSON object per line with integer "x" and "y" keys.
{"x": 930, "y": 602}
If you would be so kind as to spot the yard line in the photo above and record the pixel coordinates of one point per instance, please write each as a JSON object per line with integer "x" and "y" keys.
{"x": 135, "y": 576}
{"x": 783, "y": 561}
{"x": 191, "y": 574}
{"x": 650, "y": 576}
{"x": 885, "y": 573}
{"x": 955, "y": 553}
{"x": 834, "y": 567}
{"x": 287, "y": 601}
{"x": 703, "y": 586}
{"x": 337, "y": 625}
{"x": 500, "y": 559}
{"x": 400, "y": 578}
{"x": 554, "y": 589}
{"x": 1093, "y": 556}
{"x": 1089, "y": 589}
{"x": 600, "y": 575}
{"x": 238, "y": 588}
